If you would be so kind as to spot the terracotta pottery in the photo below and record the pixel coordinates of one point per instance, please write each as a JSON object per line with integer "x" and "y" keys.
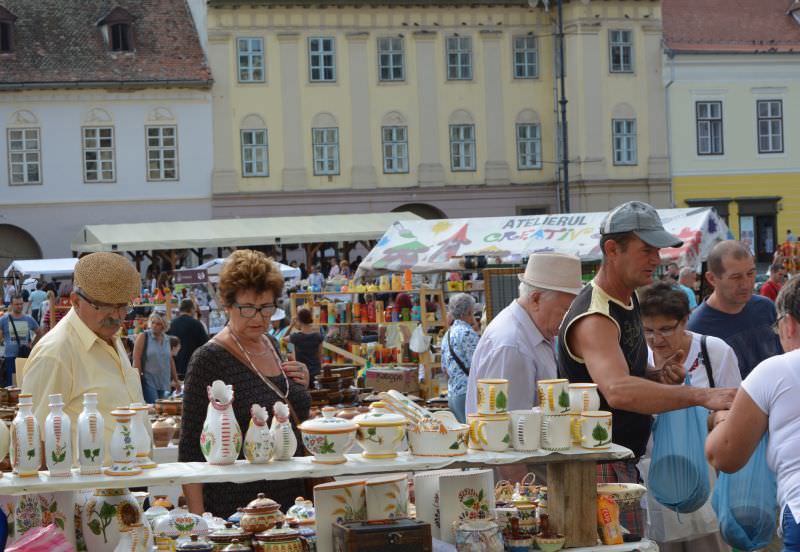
{"x": 58, "y": 439}
{"x": 278, "y": 539}
{"x": 221, "y": 438}
{"x": 261, "y": 514}
{"x": 163, "y": 431}
{"x": 91, "y": 439}
{"x": 13, "y": 395}
{"x": 169, "y": 407}
{"x": 25, "y": 451}
{"x": 223, "y": 537}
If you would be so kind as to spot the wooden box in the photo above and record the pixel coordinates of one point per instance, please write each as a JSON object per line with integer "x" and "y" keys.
{"x": 404, "y": 535}
{"x": 401, "y": 378}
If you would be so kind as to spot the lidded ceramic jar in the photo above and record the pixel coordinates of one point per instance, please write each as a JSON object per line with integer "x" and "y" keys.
{"x": 278, "y": 539}
{"x": 223, "y": 537}
{"x": 329, "y": 437}
{"x": 380, "y": 431}
{"x": 236, "y": 546}
{"x": 261, "y": 514}
{"x": 302, "y": 513}
{"x": 195, "y": 544}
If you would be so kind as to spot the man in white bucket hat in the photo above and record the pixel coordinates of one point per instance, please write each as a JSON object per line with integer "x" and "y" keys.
{"x": 518, "y": 343}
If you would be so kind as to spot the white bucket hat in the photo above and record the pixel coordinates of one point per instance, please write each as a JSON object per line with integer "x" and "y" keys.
{"x": 553, "y": 271}
{"x": 279, "y": 314}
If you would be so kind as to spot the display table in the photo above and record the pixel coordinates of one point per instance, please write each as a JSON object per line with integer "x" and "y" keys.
{"x": 644, "y": 545}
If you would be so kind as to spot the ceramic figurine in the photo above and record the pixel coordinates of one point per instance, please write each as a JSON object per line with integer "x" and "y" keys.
{"x": 141, "y": 436}
{"x": 221, "y": 438}
{"x": 91, "y": 443}
{"x": 258, "y": 443}
{"x": 122, "y": 447}
{"x": 58, "y": 439}
{"x": 282, "y": 433}
{"x": 26, "y": 455}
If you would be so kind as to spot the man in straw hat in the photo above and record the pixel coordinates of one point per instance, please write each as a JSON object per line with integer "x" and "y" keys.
{"x": 518, "y": 343}
{"x": 83, "y": 352}
{"x": 602, "y": 341}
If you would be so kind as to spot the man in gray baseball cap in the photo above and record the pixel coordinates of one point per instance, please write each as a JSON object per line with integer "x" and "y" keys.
{"x": 601, "y": 340}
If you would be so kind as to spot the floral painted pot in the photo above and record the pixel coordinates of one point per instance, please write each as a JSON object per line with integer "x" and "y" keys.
{"x": 221, "y": 438}
{"x": 380, "y": 431}
{"x": 278, "y": 539}
{"x": 260, "y": 515}
{"x": 180, "y": 523}
{"x": 122, "y": 447}
{"x": 329, "y": 437}
{"x": 432, "y": 437}
{"x": 105, "y": 515}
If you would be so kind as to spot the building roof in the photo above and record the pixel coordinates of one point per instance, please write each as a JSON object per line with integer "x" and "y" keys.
{"x": 59, "y": 43}
{"x": 730, "y": 26}
{"x": 358, "y": 3}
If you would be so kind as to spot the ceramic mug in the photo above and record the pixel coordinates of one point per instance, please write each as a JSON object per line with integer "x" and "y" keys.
{"x": 553, "y": 395}
{"x": 493, "y": 432}
{"x": 595, "y": 429}
{"x": 526, "y": 427}
{"x": 556, "y": 432}
{"x": 474, "y": 441}
{"x": 493, "y": 396}
{"x": 583, "y": 397}
{"x": 387, "y": 498}
{"x": 338, "y": 501}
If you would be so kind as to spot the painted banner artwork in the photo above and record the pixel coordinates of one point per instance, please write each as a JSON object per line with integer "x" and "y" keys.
{"x": 440, "y": 245}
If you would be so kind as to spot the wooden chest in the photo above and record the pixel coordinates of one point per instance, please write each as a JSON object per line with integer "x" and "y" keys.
{"x": 404, "y": 535}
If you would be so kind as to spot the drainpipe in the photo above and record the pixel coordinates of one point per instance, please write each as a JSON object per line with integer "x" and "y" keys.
{"x": 563, "y": 102}
{"x": 670, "y": 56}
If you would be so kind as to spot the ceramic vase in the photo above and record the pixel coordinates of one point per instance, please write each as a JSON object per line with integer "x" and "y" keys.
{"x": 26, "y": 454}
{"x": 142, "y": 439}
{"x": 464, "y": 496}
{"x": 134, "y": 538}
{"x": 5, "y": 440}
{"x": 105, "y": 515}
{"x": 221, "y": 438}
{"x": 387, "y": 497}
{"x": 426, "y": 493}
{"x": 258, "y": 442}
{"x": 58, "y": 439}
{"x": 336, "y": 502}
{"x": 122, "y": 447}
{"x": 282, "y": 433}
{"x": 91, "y": 441}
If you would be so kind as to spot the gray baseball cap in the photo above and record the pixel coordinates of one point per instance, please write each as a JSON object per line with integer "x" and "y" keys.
{"x": 641, "y": 219}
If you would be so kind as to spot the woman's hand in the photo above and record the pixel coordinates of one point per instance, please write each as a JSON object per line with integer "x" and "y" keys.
{"x": 671, "y": 368}
{"x": 296, "y": 371}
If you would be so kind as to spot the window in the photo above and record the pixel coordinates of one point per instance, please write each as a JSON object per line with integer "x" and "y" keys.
{"x": 325, "y": 143}
{"x": 709, "y": 128}
{"x": 526, "y": 57}
{"x": 98, "y": 154}
{"x": 624, "y": 138}
{"x": 395, "y": 149}
{"x": 621, "y": 51}
{"x": 5, "y": 36}
{"x": 391, "y": 59}
{"x": 255, "y": 156}
{"x": 322, "y": 59}
{"x": 462, "y": 147}
{"x": 162, "y": 153}
{"x": 24, "y": 156}
{"x": 770, "y": 126}
{"x": 120, "y": 37}
{"x": 251, "y": 59}
{"x": 459, "y": 58}
{"x": 529, "y": 146}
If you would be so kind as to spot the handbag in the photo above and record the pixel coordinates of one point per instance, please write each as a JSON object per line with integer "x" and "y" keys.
{"x": 706, "y": 360}
{"x": 23, "y": 351}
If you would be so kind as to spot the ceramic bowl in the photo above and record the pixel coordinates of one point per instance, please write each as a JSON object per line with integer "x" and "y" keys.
{"x": 431, "y": 437}
{"x": 380, "y": 432}
{"x": 329, "y": 437}
{"x": 622, "y": 493}
{"x": 550, "y": 544}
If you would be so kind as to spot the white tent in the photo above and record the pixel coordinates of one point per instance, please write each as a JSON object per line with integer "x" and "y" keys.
{"x": 214, "y": 266}
{"x": 42, "y": 267}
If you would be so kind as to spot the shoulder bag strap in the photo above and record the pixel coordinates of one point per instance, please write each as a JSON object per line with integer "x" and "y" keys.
{"x": 455, "y": 356}
{"x": 14, "y": 327}
{"x": 706, "y": 360}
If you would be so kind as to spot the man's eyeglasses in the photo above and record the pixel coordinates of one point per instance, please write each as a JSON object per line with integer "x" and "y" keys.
{"x": 669, "y": 332}
{"x": 250, "y": 311}
{"x": 777, "y": 322}
{"x": 104, "y": 307}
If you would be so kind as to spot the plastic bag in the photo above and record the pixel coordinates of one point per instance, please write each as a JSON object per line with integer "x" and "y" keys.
{"x": 678, "y": 471}
{"x": 746, "y": 503}
{"x": 608, "y": 520}
{"x": 419, "y": 342}
{"x": 42, "y": 539}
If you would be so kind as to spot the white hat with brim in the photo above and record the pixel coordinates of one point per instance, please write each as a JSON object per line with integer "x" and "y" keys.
{"x": 279, "y": 314}
{"x": 553, "y": 271}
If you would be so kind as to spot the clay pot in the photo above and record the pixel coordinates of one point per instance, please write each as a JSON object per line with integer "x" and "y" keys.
{"x": 3, "y": 395}
{"x": 169, "y": 407}
{"x": 13, "y": 395}
{"x": 261, "y": 514}
{"x": 163, "y": 431}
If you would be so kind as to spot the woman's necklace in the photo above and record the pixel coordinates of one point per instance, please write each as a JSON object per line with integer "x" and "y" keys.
{"x": 283, "y": 396}
{"x": 265, "y": 352}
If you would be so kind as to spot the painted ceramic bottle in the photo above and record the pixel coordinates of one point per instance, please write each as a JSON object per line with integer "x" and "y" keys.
{"x": 221, "y": 438}
{"x": 106, "y": 514}
{"x": 282, "y": 433}
{"x": 122, "y": 448}
{"x": 141, "y": 436}
{"x": 91, "y": 445}
{"x": 26, "y": 455}
{"x": 258, "y": 442}
{"x": 58, "y": 439}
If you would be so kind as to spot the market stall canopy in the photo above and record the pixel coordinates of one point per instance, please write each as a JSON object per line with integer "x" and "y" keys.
{"x": 441, "y": 245}
{"x": 42, "y": 267}
{"x": 242, "y": 232}
{"x": 214, "y": 266}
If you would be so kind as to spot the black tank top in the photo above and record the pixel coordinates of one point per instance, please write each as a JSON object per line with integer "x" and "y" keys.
{"x": 629, "y": 429}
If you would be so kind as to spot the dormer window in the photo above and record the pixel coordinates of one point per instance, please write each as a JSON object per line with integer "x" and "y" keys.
{"x": 794, "y": 11}
{"x": 117, "y": 29}
{"x": 120, "y": 37}
{"x": 6, "y": 30}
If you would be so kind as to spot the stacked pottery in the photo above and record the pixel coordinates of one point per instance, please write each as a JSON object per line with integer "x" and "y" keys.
{"x": 221, "y": 438}
{"x": 491, "y": 428}
{"x": 58, "y": 439}
{"x": 582, "y": 397}
{"x": 106, "y": 515}
{"x": 91, "y": 445}
{"x": 26, "y": 455}
{"x": 142, "y": 439}
{"x": 554, "y": 401}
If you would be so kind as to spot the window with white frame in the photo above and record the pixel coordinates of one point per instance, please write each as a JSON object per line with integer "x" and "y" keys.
{"x": 255, "y": 152}
{"x": 395, "y": 149}
{"x": 624, "y": 139}
{"x": 526, "y": 57}
{"x": 459, "y": 58}
{"x": 322, "y": 59}
{"x": 98, "y": 154}
{"x": 709, "y": 128}
{"x": 770, "y": 126}
{"x": 391, "y": 59}
{"x": 462, "y": 147}
{"x": 24, "y": 156}
{"x": 251, "y": 59}
{"x": 620, "y": 45}
{"x": 325, "y": 142}
{"x": 162, "y": 153}
{"x": 529, "y": 146}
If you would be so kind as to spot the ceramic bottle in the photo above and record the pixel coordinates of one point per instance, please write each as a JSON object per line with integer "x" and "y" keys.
{"x": 5, "y": 441}
{"x": 140, "y": 434}
{"x": 26, "y": 455}
{"x": 122, "y": 448}
{"x": 221, "y": 438}
{"x": 282, "y": 433}
{"x": 106, "y": 515}
{"x": 58, "y": 439}
{"x": 258, "y": 442}
{"x": 91, "y": 442}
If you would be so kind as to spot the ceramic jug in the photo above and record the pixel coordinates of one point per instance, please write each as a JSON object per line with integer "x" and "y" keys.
{"x": 58, "y": 439}
{"x": 105, "y": 515}
{"x": 258, "y": 442}
{"x": 140, "y": 433}
{"x": 282, "y": 433}
{"x": 91, "y": 442}
{"x": 122, "y": 448}
{"x": 134, "y": 538}
{"x": 25, "y": 451}
{"x": 221, "y": 438}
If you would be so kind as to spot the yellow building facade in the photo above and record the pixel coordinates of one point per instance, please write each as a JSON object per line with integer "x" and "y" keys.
{"x": 447, "y": 109}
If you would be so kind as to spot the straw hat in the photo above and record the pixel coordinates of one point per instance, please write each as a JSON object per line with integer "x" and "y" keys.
{"x": 553, "y": 271}
{"x": 107, "y": 278}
